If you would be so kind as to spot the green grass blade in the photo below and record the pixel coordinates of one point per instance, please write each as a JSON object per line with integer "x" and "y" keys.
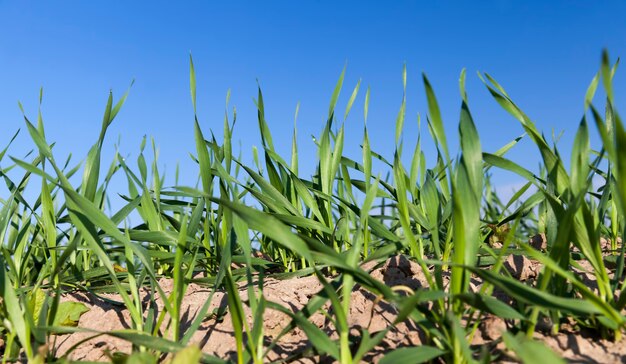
{"x": 435, "y": 120}
{"x": 415, "y": 355}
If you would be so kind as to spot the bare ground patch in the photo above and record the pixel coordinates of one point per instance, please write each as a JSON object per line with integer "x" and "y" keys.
{"x": 215, "y": 335}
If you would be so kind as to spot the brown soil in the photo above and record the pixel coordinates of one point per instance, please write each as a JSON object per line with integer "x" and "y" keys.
{"x": 215, "y": 336}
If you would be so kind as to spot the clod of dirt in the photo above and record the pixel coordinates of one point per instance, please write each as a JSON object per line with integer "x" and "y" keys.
{"x": 399, "y": 270}
{"x": 521, "y": 267}
{"x": 539, "y": 242}
{"x": 492, "y": 327}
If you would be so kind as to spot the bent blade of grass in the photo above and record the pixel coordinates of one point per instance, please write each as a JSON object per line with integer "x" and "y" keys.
{"x": 271, "y": 191}
{"x": 270, "y": 226}
{"x": 551, "y": 160}
{"x": 506, "y": 164}
{"x": 590, "y": 297}
{"x": 486, "y": 303}
{"x": 535, "y": 297}
{"x": 591, "y": 90}
{"x": 319, "y": 339}
{"x": 517, "y": 195}
{"x": 43, "y": 147}
{"x": 435, "y": 120}
{"x": 266, "y": 136}
{"x": 273, "y": 174}
{"x": 415, "y": 355}
{"x": 351, "y": 100}
{"x": 157, "y": 343}
{"x": 304, "y": 194}
{"x": 530, "y": 351}
{"x": 303, "y": 222}
{"x": 3, "y": 152}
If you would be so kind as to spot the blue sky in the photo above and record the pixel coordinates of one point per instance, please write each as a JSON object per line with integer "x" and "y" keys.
{"x": 544, "y": 53}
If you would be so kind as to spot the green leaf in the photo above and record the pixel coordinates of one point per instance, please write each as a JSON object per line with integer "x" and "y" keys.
{"x": 38, "y": 296}
{"x": 192, "y": 83}
{"x": 491, "y": 305}
{"x": 435, "y": 120}
{"x": 366, "y": 105}
{"x": 14, "y": 309}
{"x": 506, "y": 164}
{"x": 351, "y": 100}
{"x": 535, "y": 297}
{"x": 552, "y": 161}
{"x": 69, "y": 313}
{"x": 591, "y": 90}
{"x": 318, "y": 338}
{"x": 266, "y": 136}
{"x": 189, "y": 355}
{"x": 335, "y": 95}
{"x": 530, "y": 351}
{"x": 268, "y": 225}
{"x": 418, "y": 354}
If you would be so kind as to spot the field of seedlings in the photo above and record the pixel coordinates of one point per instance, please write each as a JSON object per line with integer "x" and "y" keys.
{"x": 406, "y": 263}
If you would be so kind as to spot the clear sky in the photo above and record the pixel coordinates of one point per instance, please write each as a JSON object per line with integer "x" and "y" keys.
{"x": 543, "y": 52}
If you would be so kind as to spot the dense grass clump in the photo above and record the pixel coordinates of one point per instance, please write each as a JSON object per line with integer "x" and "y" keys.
{"x": 244, "y": 223}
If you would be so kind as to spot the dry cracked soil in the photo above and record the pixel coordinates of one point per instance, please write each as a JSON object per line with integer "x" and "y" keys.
{"x": 215, "y": 335}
